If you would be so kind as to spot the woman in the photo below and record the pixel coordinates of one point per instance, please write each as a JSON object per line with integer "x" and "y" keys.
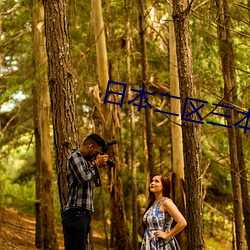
{"x": 159, "y": 215}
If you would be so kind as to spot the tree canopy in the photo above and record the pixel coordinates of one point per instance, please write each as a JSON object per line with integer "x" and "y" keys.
{"x": 17, "y": 139}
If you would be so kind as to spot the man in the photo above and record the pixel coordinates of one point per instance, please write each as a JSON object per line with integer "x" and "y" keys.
{"x": 81, "y": 175}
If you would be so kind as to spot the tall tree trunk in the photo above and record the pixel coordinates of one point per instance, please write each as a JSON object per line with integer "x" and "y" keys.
{"x": 38, "y": 68}
{"x": 144, "y": 63}
{"x": 190, "y": 130}
{"x": 1, "y": 62}
{"x": 46, "y": 237}
{"x": 176, "y": 132}
{"x": 61, "y": 87}
{"x": 104, "y": 219}
{"x": 230, "y": 95}
{"x": 233, "y": 236}
{"x": 132, "y": 132}
{"x": 110, "y": 130}
{"x": 244, "y": 185}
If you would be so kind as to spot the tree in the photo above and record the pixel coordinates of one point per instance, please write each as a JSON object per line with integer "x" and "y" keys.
{"x": 110, "y": 127}
{"x": 190, "y": 130}
{"x": 61, "y": 86}
{"x": 45, "y": 217}
{"x": 1, "y": 31}
{"x": 230, "y": 97}
{"x": 145, "y": 78}
{"x": 244, "y": 185}
{"x": 176, "y": 133}
{"x": 17, "y": 125}
{"x": 132, "y": 131}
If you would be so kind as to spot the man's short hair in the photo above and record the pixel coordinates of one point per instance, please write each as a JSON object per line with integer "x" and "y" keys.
{"x": 94, "y": 139}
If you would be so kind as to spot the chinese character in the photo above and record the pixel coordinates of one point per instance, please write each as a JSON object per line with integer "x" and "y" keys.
{"x": 247, "y": 116}
{"x": 195, "y": 110}
{"x": 228, "y": 116}
{"x": 112, "y": 92}
{"x": 157, "y": 110}
{"x": 141, "y": 95}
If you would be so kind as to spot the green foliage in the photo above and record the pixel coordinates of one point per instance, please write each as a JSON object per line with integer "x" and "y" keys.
{"x": 17, "y": 167}
{"x": 18, "y": 189}
{"x": 217, "y": 229}
{"x": 26, "y": 174}
{"x": 19, "y": 197}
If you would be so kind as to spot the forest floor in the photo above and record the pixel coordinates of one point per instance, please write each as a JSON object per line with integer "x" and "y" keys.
{"x": 18, "y": 232}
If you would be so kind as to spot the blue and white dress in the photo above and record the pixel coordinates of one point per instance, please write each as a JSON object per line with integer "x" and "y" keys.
{"x": 155, "y": 220}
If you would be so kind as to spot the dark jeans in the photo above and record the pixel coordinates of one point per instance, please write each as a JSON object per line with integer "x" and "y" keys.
{"x": 76, "y": 226}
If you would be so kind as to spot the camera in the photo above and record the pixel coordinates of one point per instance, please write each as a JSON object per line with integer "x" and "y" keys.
{"x": 110, "y": 162}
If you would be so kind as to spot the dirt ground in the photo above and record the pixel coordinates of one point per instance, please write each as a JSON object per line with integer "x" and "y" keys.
{"x": 18, "y": 232}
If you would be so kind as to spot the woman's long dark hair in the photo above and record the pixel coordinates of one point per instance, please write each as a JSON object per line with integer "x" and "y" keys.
{"x": 166, "y": 185}
{"x": 166, "y": 189}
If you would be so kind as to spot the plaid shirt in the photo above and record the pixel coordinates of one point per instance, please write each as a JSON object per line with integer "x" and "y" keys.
{"x": 80, "y": 179}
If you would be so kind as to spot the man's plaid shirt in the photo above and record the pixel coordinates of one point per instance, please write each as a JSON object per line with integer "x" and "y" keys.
{"x": 80, "y": 179}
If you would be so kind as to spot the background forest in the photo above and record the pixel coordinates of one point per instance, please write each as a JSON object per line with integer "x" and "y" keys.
{"x": 20, "y": 86}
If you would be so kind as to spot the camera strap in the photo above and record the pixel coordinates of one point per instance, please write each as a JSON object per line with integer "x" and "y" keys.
{"x": 97, "y": 179}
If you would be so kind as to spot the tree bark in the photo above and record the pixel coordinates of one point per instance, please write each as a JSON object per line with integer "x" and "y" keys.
{"x": 230, "y": 97}
{"x": 104, "y": 219}
{"x": 244, "y": 185}
{"x": 132, "y": 133}
{"x": 144, "y": 64}
{"x": 176, "y": 132}
{"x": 46, "y": 237}
{"x": 61, "y": 87}
{"x": 1, "y": 62}
{"x": 190, "y": 130}
{"x": 111, "y": 130}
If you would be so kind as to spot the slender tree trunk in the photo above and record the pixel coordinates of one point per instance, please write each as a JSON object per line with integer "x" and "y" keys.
{"x": 230, "y": 95}
{"x": 46, "y": 237}
{"x": 101, "y": 52}
{"x": 176, "y": 132}
{"x": 145, "y": 153}
{"x": 144, "y": 63}
{"x": 244, "y": 185}
{"x": 38, "y": 68}
{"x": 134, "y": 181}
{"x": 104, "y": 219}
{"x": 61, "y": 87}
{"x": 132, "y": 133}
{"x": 190, "y": 130}
{"x": 233, "y": 236}
{"x": 111, "y": 130}
{"x": 1, "y": 62}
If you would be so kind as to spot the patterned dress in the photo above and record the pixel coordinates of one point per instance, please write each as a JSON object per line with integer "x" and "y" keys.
{"x": 155, "y": 220}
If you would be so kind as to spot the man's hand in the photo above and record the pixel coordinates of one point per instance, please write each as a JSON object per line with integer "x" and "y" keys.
{"x": 100, "y": 160}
